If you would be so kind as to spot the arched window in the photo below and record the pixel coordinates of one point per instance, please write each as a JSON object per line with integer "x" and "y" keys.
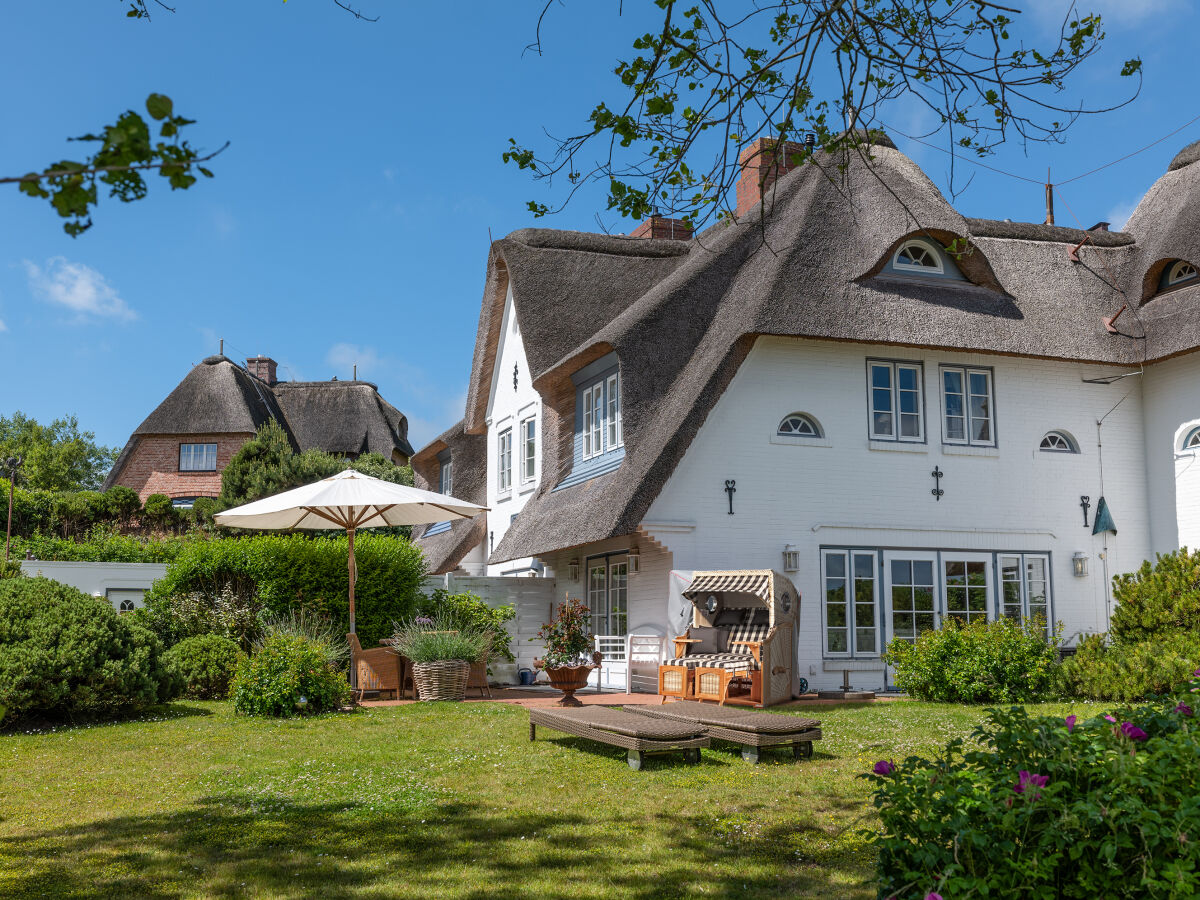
{"x": 799, "y": 425}
{"x": 920, "y": 257}
{"x": 1058, "y": 442}
{"x": 1179, "y": 272}
{"x": 1192, "y": 440}
{"x": 126, "y": 606}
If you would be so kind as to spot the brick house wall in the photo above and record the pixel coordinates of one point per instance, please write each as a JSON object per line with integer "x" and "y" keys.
{"x": 153, "y": 467}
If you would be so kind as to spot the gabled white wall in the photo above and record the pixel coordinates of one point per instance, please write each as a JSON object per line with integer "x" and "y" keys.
{"x": 847, "y": 491}
{"x": 1172, "y": 392}
{"x": 507, "y": 407}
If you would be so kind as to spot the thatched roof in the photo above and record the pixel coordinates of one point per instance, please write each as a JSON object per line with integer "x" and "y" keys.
{"x": 468, "y": 455}
{"x": 220, "y": 397}
{"x": 681, "y": 315}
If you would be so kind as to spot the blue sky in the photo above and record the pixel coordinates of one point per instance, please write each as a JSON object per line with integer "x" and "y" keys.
{"x": 348, "y": 222}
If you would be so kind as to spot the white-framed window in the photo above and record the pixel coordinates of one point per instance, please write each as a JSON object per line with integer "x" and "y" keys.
{"x": 504, "y": 460}
{"x": 528, "y": 449}
{"x": 608, "y": 594}
{"x": 1179, "y": 272}
{"x": 799, "y": 424}
{"x": 1191, "y": 440}
{"x": 895, "y": 400}
{"x": 911, "y": 592}
{"x": 593, "y": 420}
{"x": 1025, "y": 587}
{"x": 197, "y": 457}
{"x": 967, "y": 586}
{"x": 918, "y": 256}
{"x": 446, "y": 477}
{"x": 125, "y": 600}
{"x": 967, "y": 408}
{"x": 851, "y": 602}
{"x": 1058, "y": 442}
{"x": 615, "y": 436}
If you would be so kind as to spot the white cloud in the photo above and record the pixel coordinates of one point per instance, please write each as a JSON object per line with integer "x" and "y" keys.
{"x": 1119, "y": 214}
{"x": 343, "y": 357}
{"x": 3, "y": 327}
{"x": 77, "y": 287}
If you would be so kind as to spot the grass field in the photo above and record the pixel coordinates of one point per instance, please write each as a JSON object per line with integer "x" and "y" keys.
{"x": 437, "y": 800}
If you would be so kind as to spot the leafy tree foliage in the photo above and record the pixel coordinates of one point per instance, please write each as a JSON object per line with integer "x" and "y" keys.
{"x": 58, "y": 456}
{"x": 713, "y": 77}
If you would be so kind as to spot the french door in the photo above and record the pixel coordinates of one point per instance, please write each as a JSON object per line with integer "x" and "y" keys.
{"x": 608, "y": 594}
{"x": 911, "y": 592}
{"x": 967, "y": 586}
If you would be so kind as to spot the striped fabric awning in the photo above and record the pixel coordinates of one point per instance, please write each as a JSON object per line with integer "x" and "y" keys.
{"x": 757, "y": 583}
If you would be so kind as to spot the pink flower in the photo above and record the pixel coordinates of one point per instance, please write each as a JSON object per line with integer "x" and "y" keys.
{"x": 1027, "y": 781}
{"x": 1197, "y": 672}
{"x": 1183, "y": 709}
{"x": 1070, "y": 720}
{"x": 933, "y": 895}
{"x": 1111, "y": 719}
{"x": 1132, "y": 732}
{"x": 885, "y": 767}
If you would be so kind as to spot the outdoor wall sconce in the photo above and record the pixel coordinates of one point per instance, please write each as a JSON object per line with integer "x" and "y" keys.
{"x": 1079, "y": 564}
{"x": 791, "y": 558}
{"x": 635, "y": 560}
{"x": 573, "y": 568}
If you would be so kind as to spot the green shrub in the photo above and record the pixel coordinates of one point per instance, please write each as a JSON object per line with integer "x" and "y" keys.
{"x": 296, "y": 573}
{"x": 984, "y": 662}
{"x": 1048, "y": 808}
{"x": 204, "y": 665}
{"x": 203, "y": 510}
{"x": 468, "y": 611}
{"x": 1158, "y": 598}
{"x": 65, "y": 654}
{"x": 313, "y": 629}
{"x": 1130, "y": 671}
{"x": 160, "y": 512}
{"x": 122, "y": 504}
{"x": 288, "y": 675}
{"x": 431, "y": 640}
{"x": 102, "y": 544}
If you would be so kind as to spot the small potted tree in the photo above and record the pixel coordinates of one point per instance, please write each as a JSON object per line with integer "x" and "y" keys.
{"x": 569, "y": 659}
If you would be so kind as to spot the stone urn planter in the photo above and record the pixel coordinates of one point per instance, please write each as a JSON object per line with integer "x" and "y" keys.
{"x": 569, "y": 679}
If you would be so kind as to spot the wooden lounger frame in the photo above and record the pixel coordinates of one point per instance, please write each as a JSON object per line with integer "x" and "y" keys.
{"x": 751, "y": 742}
{"x": 636, "y": 747}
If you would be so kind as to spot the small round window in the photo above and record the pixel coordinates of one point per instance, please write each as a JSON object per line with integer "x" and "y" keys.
{"x": 710, "y": 605}
{"x": 786, "y": 602}
{"x": 799, "y": 425}
{"x": 126, "y": 606}
{"x": 918, "y": 256}
{"x": 1057, "y": 442}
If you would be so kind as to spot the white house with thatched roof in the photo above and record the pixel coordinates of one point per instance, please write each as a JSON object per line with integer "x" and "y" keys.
{"x": 911, "y": 434}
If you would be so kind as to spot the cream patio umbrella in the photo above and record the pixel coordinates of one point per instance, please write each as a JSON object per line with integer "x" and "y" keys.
{"x": 349, "y": 500}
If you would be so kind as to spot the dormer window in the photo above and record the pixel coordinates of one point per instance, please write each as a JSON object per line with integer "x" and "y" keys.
{"x": 1179, "y": 272}
{"x": 919, "y": 257}
{"x": 599, "y": 426}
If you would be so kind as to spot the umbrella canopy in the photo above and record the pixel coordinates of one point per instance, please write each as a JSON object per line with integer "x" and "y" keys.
{"x": 349, "y": 500}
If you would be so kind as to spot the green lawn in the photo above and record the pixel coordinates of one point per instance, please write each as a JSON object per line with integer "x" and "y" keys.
{"x": 437, "y": 800}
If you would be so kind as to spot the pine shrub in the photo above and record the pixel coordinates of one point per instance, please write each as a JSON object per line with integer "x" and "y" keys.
{"x": 204, "y": 665}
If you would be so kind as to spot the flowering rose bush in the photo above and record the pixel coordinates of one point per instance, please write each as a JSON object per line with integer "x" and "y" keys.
{"x": 1046, "y": 807}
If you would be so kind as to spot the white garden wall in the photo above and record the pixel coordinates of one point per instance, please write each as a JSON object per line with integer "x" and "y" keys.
{"x": 114, "y": 581}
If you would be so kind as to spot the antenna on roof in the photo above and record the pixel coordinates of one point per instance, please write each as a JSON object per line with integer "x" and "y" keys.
{"x": 355, "y": 372}
{"x": 222, "y": 346}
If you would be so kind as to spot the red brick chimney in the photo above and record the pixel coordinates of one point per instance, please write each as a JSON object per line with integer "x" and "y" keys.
{"x": 262, "y": 367}
{"x": 662, "y": 227}
{"x": 761, "y": 168}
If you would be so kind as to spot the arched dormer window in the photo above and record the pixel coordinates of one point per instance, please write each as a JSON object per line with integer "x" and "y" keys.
{"x": 1191, "y": 440}
{"x": 1177, "y": 273}
{"x": 1058, "y": 442}
{"x": 799, "y": 424}
{"x": 920, "y": 257}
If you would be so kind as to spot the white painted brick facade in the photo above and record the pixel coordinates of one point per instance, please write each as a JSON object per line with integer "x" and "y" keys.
{"x": 1172, "y": 392}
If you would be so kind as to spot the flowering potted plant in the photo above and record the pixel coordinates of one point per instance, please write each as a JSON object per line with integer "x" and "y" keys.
{"x": 568, "y": 659}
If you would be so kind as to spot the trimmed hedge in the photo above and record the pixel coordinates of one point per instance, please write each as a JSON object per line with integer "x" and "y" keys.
{"x": 296, "y": 573}
{"x": 101, "y": 545}
{"x": 64, "y": 654}
{"x": 204, "y": 665}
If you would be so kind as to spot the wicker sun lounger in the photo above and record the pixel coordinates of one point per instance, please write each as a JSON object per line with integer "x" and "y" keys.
{"x": 639, "y": 735}
{"x": 753, "y": 730}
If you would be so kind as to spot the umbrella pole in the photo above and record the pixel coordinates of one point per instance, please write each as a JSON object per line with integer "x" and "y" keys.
{"x": 353, "y": 573}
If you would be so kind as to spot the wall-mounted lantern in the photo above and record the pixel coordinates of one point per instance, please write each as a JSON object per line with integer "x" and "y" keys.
{"x": 573, "y": 568}
{"x": 791, "y": 558}
{"x": 1079, "y": 564}
{"x": 635, "y": 560}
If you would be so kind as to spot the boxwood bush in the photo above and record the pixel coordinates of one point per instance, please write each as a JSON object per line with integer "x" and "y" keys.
{"x": 204, "y": 665}
{"x": 288, "y": 675}
{"x": 984, "y": 662}
{"x": 64, "y": 654}
{"x": 1045, "y": 807}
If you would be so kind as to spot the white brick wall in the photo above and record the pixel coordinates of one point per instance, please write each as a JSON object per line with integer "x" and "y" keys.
{"x": 507, "y": 408}
{"x": 847, "y": 494}
{"x": 1172, "y": 391}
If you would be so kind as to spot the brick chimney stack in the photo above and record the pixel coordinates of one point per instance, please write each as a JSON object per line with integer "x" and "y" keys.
{"x": 761, "y": 168}
{"x": 661, "y": 227}
{"x": 262, "y": 367}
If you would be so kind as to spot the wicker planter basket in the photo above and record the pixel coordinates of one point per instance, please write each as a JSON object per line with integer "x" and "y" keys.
{"x": 442, "y": 680}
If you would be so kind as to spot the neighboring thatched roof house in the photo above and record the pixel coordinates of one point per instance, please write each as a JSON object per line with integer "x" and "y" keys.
{"x": 184, "y": 444}
{"x": 681, "y": 315}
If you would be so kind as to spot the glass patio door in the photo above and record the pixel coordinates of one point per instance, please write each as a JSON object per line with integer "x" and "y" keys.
{"x": 608, "y": 594}
{"x": 967, "y": 586}
{"x": 911, "y": 591}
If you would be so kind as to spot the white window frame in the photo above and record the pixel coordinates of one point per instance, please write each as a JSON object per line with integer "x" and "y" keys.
{"x": 616, "y": 438}
{"x": 1062, "y": 436}
{"x": 968, "y": 417}
{"x": 895, "y": 367}
{"x": 816, "y": 434}
{"x": 939, "y": 268}
{"x": 593, "y": 420}
{"x": 607, "y": 588}
{"x": 528, "y": 449}
{"x": 193, "y": 453}
{"x": 446, "y": 478}
{"x": 968, "y": 615}
{"x": 852, "y": 628}
{"x": 910, "y": 557}
{"x": 1181, "y": 271}
{"x": 504, "y": 461}
{"x": 1023, "y": 562}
